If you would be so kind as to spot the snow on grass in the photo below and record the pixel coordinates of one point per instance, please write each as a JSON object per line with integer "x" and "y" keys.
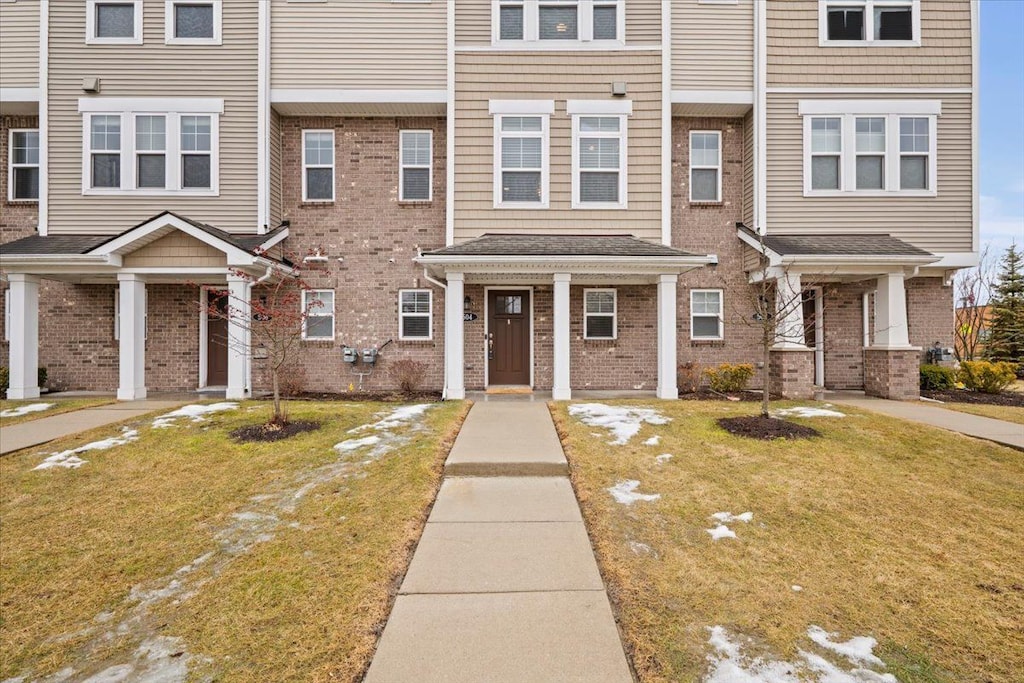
{"x": 721, "y": 531}
{"x": 622, "y": 421}
{"x": 640, "y": 548}
{"x": 18, "y": 411}
{"x": 808, "y": 411}
{"x": 398, "y": 417}
{"x": 385, "y": 439}
{"x": 625, "y": 492}
{"x": 728, "y": 517}
{"x": 729, "y": 664}
{"x": 355, "y": 444}
{"x": 653, "y": 441}
{"x": 196, "y": 412}
{"x": 663, "y": 458}
{"x": 796, "y": 588}
{"x": 857, "y": 649}
{"x": 69, "y": 459}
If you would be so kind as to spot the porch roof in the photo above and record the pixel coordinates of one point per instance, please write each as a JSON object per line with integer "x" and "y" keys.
{"x": 495, "y": 244}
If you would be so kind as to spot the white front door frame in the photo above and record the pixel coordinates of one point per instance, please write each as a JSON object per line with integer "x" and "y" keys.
{"x": 819, "y": 335}
{"x": 487, "y": 326}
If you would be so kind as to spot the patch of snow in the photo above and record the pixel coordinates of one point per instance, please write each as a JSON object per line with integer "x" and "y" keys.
{"x": 663, "y": 458}
{"x": 355, "y": 444}
{"x": 796, "y": 588}
{"x": 640, "y": 548}
{"x": 624, "y": 492}
{"x": 808, "y": 411}
{"x": 622, "y": 421}
{"x": 26, "y": 409}
{"x": 653, "y": 441}
{"x": 69, "y": 459}
{"x": 398, "y": 417}
{"x": 858, "y": 649}
{"x": 721, "y": 531}
{"x": 830, "y": 673}
{"x": 728, "y": 517}
{"x": 196, "y": 412}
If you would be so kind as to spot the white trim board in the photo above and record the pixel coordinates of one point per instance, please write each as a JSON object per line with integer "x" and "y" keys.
{"x": 342, "y": 96}
{"x": 155, "y": 105}
{"x": 713, "y": 97}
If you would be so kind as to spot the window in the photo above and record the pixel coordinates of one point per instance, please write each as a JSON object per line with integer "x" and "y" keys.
{"x": 599, "y": 314}
{"x": 869, "y": 22}
{"x": 113, "y": 22}
{"x": 416, "y": 150}
{"x": 558, "y": 20}
{"x": 706, "y": 314}
{"x": 105, "y": 160}
{"x": 23, "y": 168}
{"x": 415, "y": 308}
{"x": 705, "y": 166}
{"x": 599, "y": 161}
{"x": 192, "y": 22}
{"x": 196, "y": 152}
{"x": 521, "y": 160}
{"x": 318, "y": 165}
{"x": 151, "y": 151}
{"x": 318, "y": 306}
{"x": 870, "y": 151}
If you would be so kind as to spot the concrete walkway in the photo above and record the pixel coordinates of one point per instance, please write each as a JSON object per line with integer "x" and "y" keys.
{"x": 503, "y": 585}
{"x": 37, "y": 432}
{"x": 999, "y": 431}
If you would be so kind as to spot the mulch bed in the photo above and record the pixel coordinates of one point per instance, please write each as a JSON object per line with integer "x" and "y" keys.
{"x": 272, "y": 431}
{"x": 708, "y": 395}
{"x": 765, "y": 428}
{"x": 383, "y": 396}
{"x": 1007, "y": 398}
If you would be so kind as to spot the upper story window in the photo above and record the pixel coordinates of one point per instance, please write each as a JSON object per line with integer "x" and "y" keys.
{"x": 705, "y": 166}
{"x": 551, "y": 21}
{"x": 115, "y": 22}
{"x": 599, "y": 153}
{"x": 150, "y": 146}
{"x": 192, "y": 22}
{"x": 869, "y": 22}
{"x": 521, "y": 149}
{"x": 318, "y": 165}
{"x": 882, "y": 147}
{"x": 23, "y": 166}
{"x": 416, "y": 150}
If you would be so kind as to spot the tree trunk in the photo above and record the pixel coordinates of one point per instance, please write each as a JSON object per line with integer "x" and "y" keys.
{"x": 278, "y": 416}
{"x": 766, "y": 397}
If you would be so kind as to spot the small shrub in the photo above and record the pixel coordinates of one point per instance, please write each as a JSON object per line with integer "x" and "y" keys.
{"x": 408, "y": 374}
{"x": 42, "y": 377}
{"x": 937, "y": 378}
{"x": 987, "y": 377}
{"x": 291, "y": 381}
{"x": 5, "y": 378}
{"x": 728, "y": 377}
{"x": 689, "y": 377}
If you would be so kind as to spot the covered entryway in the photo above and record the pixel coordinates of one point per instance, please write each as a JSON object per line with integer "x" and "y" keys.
{"x": 216, "y": 339}
{"x": 508, "y": 337}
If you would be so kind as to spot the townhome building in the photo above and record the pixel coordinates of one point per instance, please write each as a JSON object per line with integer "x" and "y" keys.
{"x": 557, "y": 195}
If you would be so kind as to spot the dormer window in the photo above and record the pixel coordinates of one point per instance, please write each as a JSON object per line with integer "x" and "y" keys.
{"x": 869, "y": 22}
{"x": 551, "y": 21}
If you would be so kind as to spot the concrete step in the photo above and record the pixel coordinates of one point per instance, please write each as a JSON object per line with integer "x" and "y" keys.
{"x": 506, "y": 499}
{"x": 494, "y": 443}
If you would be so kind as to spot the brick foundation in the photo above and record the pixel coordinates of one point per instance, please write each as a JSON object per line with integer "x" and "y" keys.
{"x": 892, "y": 373}
{"x": 792, "y": 373}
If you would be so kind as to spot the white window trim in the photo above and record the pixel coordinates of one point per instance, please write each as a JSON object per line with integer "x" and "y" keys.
{"x": 585, "y": 26}
{"x": 869, "y": 23}
{"x": 717, "y": 168}
{"x": 314, "y": 312}
{"x": 614, "y": 314}
{"x": 721, "y": 316}
{"x": 545, "y": 159}
{"x": 11, "y": 165}
{"x": 848, "y": 155}
{"x": 305, "y": 166}
{"x": 171, "y": 39}
{"x": 623, "y": 136}
{"x": 429, "y": 316}
{"x": 90, "y": 23}
{"x": 172, "y": 149}
{"x": 402, "y": 165}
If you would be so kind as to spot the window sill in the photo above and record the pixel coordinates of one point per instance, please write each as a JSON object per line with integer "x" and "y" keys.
{"x": 117, "y": 192}
{"x": 415, "y": 202}
{"x": 707, "y": 341}
{"x": 708, "y": 203}
{"x": 600, "y": 339}
{"x": 869, "y": 43}
{"x": 422, "y": 341}
{"x": 322, "y": 341}
{"x": 519, "y": 206}
{"x": 21, "y": 202}
{"x": 321, "y": 203}
{"x": 193, "y": 41}
{"x": 600, "y": 206}
{"x": 113, "y": 41}
{"x": 851, "y": 194}
{"x": 570, "y": 45}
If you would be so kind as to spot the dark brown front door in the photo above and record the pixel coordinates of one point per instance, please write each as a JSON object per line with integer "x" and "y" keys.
{"x": 509, "y": 337}
{"x": 217, "y": 340}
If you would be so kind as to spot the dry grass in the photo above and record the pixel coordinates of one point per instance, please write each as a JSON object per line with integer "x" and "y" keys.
{"x": 911, "y": 534}
{"x": 62, "y": 405}
{"x": 1007, "y": 413}
{"x": 304, "y": 604}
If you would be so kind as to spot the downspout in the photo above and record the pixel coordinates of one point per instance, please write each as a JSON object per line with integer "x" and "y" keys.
{"x": 248, "y": 341}
{"x": 433, "y": 281}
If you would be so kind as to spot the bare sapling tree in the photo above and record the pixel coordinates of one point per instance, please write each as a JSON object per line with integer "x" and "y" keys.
{"x": 972, "y": 289}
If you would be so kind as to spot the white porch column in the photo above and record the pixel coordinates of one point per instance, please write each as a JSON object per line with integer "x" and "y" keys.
{"x": 891, "y": 313}
{"x": 23, "y": 300}
{"x": 454, "y": 338}
{"x": 239, "y": 318}
{"x": 560, "y": 389}
{"x": 132, "y": 332}
{"x": 668, "y": 387}
{"x": 789, "y": 311}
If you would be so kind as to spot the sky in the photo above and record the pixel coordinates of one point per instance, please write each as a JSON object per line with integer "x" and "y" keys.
{"x": 1002, "y": 123}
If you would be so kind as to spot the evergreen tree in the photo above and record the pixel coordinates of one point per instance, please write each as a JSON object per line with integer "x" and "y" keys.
{"x": 1006, "y": 319}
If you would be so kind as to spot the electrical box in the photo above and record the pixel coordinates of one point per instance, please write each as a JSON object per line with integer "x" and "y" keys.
{"x": 370, "y": 356}
{"x": 349, "y": 355}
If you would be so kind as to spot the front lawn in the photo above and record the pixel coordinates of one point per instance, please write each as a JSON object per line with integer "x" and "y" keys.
{"x": 879, "y": 528}
{"x": 178, "y": 551}
{"x": 26, "y": 411}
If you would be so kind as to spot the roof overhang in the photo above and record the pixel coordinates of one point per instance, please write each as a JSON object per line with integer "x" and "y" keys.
{"x": 729, "y": 103}
{"x": 19, "y": 101}
{"x": 348, "y": 102}
{"x": 540, "y": 269}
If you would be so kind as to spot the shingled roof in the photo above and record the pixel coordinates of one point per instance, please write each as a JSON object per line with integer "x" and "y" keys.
{"x": 559, "y": 245}
{"x": 834, "y": 245}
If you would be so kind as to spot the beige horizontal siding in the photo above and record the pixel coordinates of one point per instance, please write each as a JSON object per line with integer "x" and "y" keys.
{"x": 227, "y": 71}
{"x": 276, "y": 208}
{"x": 364, "y": 45}
{"x": 19, "y": 44}
{"x": 795, "y": 59}
{"x": 942, "y": 223}
{"x": 712, "y": 45}
{"x": 643, "y": 22}
{"x": 748, "y": 170}
{"x": 473, "y": 22}
{"x": 558, "y": 76}
{"x": 175, "y": 249}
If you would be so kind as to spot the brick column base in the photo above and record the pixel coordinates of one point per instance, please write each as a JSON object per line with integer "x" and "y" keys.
{"x": 892, "y": 374}
{"x": 792, "y": 373}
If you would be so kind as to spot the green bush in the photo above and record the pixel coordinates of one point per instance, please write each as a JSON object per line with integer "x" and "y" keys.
{"x": 937, "y": 378}
{"x": 987, "y": 377}
{"x": 727, "y": 377}
{"x": 42, "y": 377}
{"x": 5, "y": 378}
